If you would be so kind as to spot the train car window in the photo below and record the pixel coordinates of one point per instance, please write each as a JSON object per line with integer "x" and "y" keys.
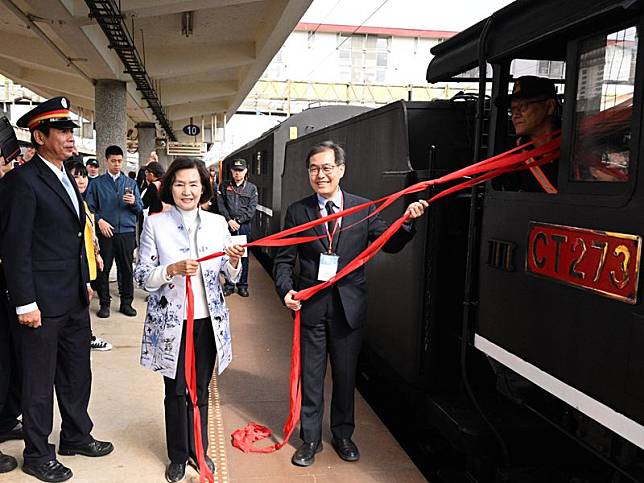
{"x": 604, "y": 107}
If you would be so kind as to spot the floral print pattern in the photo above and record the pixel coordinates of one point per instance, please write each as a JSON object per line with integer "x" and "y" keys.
{"x": 163, "y": 241}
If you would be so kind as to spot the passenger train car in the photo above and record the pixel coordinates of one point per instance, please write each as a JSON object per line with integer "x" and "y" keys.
{"x": 506, "y": 340}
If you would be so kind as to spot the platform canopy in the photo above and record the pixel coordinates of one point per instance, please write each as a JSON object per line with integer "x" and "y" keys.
{"x": 199, "y": 57}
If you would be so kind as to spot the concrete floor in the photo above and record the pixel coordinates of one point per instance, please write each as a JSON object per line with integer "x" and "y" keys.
{"x": 127, "y": 407}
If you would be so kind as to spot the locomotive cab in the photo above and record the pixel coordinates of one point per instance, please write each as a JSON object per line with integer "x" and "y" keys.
{"x": 559, "y": 310}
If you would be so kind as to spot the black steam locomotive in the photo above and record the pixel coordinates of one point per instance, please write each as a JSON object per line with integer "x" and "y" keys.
{"x": 506, "y": 341}
{"x": 265, "y": 159}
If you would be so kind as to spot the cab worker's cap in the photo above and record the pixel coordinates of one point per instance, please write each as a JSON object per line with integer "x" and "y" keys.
{"x": 239, "y": 164}
{"x": 51, "y": 113}
{"x": 92, "y": 162}
{"x": 528, "y": 87}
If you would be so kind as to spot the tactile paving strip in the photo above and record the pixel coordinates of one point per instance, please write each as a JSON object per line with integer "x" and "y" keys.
{"x": 216, "y": 435}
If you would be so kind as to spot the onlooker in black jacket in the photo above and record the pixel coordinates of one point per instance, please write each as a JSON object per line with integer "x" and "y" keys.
{"x": 237, "y": 203}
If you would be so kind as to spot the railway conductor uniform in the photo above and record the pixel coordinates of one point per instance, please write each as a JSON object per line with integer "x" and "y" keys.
{"x": 46, "y": 270}
{"x": 332, "y": 320}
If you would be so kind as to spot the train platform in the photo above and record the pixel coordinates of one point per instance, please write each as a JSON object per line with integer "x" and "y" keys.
{"x": 127, "y": 407}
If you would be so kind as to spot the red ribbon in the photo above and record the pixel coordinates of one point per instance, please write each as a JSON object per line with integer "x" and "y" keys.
{"x": 516, "y": 159}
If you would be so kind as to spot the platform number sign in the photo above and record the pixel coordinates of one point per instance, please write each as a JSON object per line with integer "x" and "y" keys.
{"x": 191, "y": 130}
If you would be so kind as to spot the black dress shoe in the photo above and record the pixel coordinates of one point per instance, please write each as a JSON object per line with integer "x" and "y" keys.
{"x": 195, "y": 464}
{"x": 305, "y": 454}
{"x": 346, "y": 449}
{"x": 228, "y": 291}
{"x": 103, "y": 312}
{"x": 7, "y": 463}
{"x": 175, "y": 472}
{"x": 50, "y": 471}
{"x": 128, "y": 310}
{"x": 15, "y": 433}
{"x": 243, "y": 292}
{"x": 93, "y": 449}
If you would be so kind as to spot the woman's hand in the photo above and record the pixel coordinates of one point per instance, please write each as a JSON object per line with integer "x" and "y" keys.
{"x": 234, "y": 253}
{"x": 184, "y": 267}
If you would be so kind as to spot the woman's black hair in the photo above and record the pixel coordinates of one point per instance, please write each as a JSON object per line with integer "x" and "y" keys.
{"x": 76, "y": 167}
{"x": 185, "y": 163}
{"x": 156, "y": 169}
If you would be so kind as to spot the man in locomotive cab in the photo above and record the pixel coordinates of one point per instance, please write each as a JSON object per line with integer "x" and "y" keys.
{"x": 534, "y": 112}
{"x": 332, "y": 320}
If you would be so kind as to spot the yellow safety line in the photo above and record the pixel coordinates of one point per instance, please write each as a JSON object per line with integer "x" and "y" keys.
{"x": 216, "y": 435}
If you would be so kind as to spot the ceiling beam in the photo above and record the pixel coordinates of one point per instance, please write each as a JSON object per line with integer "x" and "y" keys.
{"x": 30, "y": 51}
{"x": 196, "y": 109}
{"x": 64, "y": 83}
{"x": 182, "y": 92}
{"x": 154, "y": 8}
{"x": 167, "y": 61}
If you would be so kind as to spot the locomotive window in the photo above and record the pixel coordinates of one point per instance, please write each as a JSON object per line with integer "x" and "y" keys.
{"x": 258, "y": 163}
{"x": 604, "y": 107}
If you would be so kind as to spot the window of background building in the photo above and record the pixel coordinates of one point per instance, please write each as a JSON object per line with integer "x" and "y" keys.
{"x": 552, "y": 69}
{"x": 363, "y": 58}
{"x": 604, "y": 107}
{"x": 276, "y": 69}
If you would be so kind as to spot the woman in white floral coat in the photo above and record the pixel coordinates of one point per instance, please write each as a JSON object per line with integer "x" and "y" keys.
{"x": 171, "y": 242}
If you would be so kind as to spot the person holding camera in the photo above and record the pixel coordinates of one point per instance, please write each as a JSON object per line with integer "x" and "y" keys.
{"x": 115, "y": 200}
{"x": 10, "y": 386}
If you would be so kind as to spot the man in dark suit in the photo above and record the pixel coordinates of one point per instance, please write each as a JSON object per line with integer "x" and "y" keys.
{"x": 332, "y": 320}
{"x": 10, "y": 426}
{"x": 43, "y": 252}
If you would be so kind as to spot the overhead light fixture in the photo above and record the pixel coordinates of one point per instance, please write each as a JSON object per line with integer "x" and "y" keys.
{"x": 186, "y": 23}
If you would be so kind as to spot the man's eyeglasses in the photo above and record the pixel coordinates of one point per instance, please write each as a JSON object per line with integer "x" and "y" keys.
{"x": 326, "y": 169}
{"x": 522, "y": 107}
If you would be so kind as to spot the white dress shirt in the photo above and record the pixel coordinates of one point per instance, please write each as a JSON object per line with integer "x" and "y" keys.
{"x": 160, "y": 276}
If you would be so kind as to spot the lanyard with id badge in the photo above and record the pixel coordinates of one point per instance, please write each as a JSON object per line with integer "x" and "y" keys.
{"x": 329, "y": 261}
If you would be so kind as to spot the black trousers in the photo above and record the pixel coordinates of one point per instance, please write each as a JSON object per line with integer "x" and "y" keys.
{"x": 331, "y": 334}
{"x": 179, "y": 430}
{"x": 119, "y": 248}
{"x": 10, "y": 386}
{"x": 55, "y": 355}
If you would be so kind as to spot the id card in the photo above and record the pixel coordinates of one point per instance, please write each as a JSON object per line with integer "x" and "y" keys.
{"x": 241, "y": 240}
{"x": 328, "y": 266}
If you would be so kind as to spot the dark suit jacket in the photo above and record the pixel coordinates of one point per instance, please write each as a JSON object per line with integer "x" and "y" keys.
{"x": 349, "y": 244}
{"x": 42, "y": 245}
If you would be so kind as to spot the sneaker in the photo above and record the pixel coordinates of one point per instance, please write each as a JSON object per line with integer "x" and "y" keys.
{"x": 99, "y": 344}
